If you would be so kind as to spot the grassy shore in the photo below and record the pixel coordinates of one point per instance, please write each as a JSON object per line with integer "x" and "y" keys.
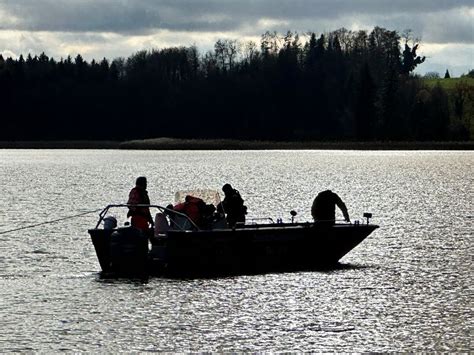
{"x": 59, "y": 145}
{"x": 458, "y": 87}
{"x": 229, "y": 144}
{"x": 450, "y": 83}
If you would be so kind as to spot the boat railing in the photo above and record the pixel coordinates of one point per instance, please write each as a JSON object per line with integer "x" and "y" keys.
{"x": 162, "y": 209}
{"x": 180, "y": 226}
{"x": 255, "y": 219}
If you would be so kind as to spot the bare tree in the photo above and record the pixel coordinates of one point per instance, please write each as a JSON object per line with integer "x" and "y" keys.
{"x": 250, "y": 51}
{"x": 270, "y": 43}
{"x": 232, "y": 51}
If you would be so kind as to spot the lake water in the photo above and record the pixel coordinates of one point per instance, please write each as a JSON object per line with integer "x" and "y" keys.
{"x": 408, "y": 287}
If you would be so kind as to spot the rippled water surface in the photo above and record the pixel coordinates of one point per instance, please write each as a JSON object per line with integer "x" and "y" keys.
{"x": 407, "y": 287}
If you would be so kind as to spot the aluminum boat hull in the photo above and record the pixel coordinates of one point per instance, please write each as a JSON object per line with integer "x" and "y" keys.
{"x": 248, "y": 249}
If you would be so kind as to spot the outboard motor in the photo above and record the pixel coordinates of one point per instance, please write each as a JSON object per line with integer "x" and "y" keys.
{"x": 128, "y": 251}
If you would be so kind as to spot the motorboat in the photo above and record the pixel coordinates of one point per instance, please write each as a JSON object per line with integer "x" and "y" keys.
{"x": 177, "y": 246}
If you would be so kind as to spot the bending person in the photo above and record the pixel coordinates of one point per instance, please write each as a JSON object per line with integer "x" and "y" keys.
{"x": 324, "y": 205}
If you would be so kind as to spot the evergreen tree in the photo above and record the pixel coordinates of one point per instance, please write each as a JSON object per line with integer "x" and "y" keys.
{"x": 389, "y": 122}
{"x": 365, "y": 106}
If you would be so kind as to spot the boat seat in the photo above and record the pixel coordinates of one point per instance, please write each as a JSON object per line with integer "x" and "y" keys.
{"x": 161, "y": 224}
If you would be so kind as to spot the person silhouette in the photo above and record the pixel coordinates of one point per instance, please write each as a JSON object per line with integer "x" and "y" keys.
{"x": 324, "y": 205}
{"x": 141, "y": 216}
{"x": 232, "y": 206}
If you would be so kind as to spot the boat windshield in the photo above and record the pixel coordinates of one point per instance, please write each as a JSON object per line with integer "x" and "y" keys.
{"x": 207, "y": 195}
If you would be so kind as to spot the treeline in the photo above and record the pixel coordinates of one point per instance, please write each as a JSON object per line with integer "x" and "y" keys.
{"x": 341, "y": 85}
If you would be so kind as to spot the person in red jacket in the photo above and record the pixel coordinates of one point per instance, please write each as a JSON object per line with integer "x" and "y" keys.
{"x": 141, "y": 216}
{"x": 191, "y": 207}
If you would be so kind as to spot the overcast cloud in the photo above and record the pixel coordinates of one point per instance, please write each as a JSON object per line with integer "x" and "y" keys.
{"x": 110, "y": 28}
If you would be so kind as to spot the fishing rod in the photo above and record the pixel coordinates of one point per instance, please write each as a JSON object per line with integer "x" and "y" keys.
{"x": 103, "y": 212}
{"x": 50, "y": 222}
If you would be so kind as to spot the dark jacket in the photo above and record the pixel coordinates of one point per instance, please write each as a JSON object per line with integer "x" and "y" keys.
{"x": 233, "y": 206}
{"x": 324, "y": 207}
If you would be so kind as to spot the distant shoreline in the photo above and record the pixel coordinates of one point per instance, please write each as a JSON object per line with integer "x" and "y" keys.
{"x": 228, "y": 144}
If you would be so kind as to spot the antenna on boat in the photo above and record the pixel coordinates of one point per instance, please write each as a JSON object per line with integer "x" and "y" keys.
{"x": 293, "y": 214}
{"x": 368, "y": 216}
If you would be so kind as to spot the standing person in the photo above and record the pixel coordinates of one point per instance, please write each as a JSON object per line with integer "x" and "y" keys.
{"x": 232, "y": 205}
{"x": 324, "y": 205}
{"x": 141, "y": 216}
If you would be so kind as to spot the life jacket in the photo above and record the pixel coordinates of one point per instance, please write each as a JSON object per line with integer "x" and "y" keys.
{"x": 138, "y": 196}
{"x": 192, "y": 207}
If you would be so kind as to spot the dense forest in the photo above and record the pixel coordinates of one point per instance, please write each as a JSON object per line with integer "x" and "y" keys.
{"x": 342, "y": 85}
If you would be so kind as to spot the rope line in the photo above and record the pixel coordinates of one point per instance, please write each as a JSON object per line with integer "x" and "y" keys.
{"x": 50, "y": 222}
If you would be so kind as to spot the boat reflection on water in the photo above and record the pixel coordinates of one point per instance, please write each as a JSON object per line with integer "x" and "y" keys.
{"x": 177, "y": 247}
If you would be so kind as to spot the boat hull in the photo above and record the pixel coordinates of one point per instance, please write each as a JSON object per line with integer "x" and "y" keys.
{"x": 249, "y": 249}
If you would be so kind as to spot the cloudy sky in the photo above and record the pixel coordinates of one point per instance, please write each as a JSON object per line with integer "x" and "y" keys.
{"x": 113, "y": 28}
